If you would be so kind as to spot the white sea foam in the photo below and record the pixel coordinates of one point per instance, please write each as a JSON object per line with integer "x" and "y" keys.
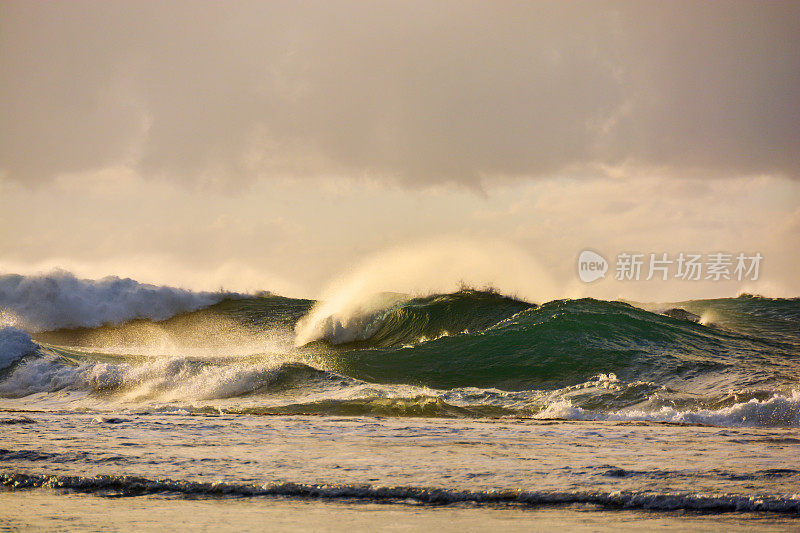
{"x": 339, "y": 321}
{"x": 161, "y": 379}
{"x": 60, "y": 300}
{"x": 709, "y": 317}
{"x": 778, "y": 411}
{"x": 180, "y": 380}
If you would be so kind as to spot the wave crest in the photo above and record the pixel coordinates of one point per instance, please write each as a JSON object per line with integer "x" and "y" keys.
{"x": 394, "y": 320}
{"x": 14, "y": 344}
{"x": 60, "y": 300}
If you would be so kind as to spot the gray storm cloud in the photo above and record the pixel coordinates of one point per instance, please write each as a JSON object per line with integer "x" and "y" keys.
{"x": 419, "y": 92}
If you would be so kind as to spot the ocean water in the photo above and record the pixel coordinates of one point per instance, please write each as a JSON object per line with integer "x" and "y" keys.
{"x": 467, "y": 410}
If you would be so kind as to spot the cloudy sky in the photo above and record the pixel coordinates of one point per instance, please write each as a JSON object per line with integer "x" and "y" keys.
{"x": 284, "y": 145}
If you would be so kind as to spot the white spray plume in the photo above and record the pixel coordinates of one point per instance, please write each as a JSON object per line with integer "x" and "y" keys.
{"x": 347, "y": 304}
{"x": 60, "y": 300}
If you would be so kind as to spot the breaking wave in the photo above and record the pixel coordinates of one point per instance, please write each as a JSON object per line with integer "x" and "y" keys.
{"x": 777, "y": 411}
{"x": 266, "y": 386}
{"x": 14, "y": 344}
{"x": 60, "y": 300}
{"x": 392, "y": 319}
{"x": 468, "y": 353}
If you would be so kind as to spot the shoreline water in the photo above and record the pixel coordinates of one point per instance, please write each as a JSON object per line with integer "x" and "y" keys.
{"x": 488, "y": 463}
{"x": 55, "y": 510}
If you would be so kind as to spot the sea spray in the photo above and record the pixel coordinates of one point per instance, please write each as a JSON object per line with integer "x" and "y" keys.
{"x": 60, "y": 300}
{"x": 439, "y": 266}
{"x": 14, "y": 344}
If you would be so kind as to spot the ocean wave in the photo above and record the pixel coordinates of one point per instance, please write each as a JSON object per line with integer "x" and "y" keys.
{"x": 777, "y": 411}
{"x": 264, "y": 386}
{"x": 422, "y": 406}
{"x": 557, "y": 344}
{"x": 124, "y": 485}
{"x": 350, "y": 321}
{"x": 158, "y": 379}
{"x": 780, "y": 410}
{"x": 14, "y": 345}
{"x": 60, "y": 300}
{"x": 469, "y": 353}
{"x": 392, "y": 320}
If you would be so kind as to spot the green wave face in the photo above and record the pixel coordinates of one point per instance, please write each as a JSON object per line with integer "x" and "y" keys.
{"x": 565, "y": 342}
{"x": 423, "y": 319}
